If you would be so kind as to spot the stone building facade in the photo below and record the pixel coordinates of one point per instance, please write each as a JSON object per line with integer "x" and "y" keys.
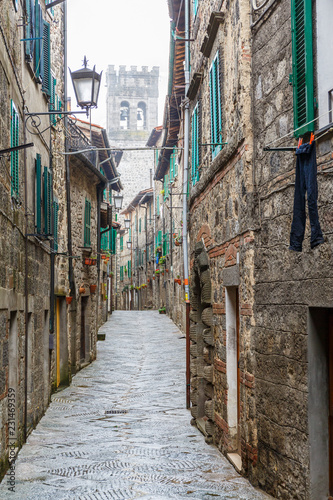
{"x": 31, "y": 80}
{"x": 39, "y": 342}
{"x": 293, "y": 290}
{"x": 261, "y": 313}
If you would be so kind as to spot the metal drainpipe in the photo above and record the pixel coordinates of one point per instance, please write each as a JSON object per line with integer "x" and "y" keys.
{"x": 185, "y": 182}
{"x": 26, "y": 280}
{"x": 68, "y": 191}
{"x": 99, "y": 191}
{"x": 154, "y": 228}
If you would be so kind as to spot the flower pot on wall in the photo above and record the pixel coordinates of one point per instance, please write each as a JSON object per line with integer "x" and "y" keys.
{"x": 93, "y": 288}
{"x": 69, "y": 300}
{"x": 82, "y": 289}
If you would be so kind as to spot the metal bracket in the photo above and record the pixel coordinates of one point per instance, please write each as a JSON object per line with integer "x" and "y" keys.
{"x": 291, "y": 148}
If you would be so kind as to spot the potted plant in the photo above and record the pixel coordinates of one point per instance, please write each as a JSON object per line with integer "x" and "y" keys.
{"x": 93, "y": 288}
{"x": 157, "y": 271}
{"x": 162, "y": 310}
{"x": 178, "y": 281}
{"x": 87, "y": 261}
{"x": 69, "y": 300}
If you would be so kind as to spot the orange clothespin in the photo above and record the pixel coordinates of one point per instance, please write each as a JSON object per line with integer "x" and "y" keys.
{"x": 300, "y": 141}
{"x": 312, "y": 137}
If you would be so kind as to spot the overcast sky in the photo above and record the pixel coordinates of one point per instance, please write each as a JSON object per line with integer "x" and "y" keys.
{"x": 119, "y": 32}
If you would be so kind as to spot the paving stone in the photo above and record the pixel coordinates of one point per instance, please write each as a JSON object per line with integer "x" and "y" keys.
{"x": 121, "y": 430}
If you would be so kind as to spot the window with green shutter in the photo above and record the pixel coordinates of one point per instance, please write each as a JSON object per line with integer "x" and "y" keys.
{"x": 38, "y": 43}
{"x": 53, "y": 101}
{"x": 38, "y": 198}
{"x": 215, "y": 106}
{"x": 14, "y": 155}
{"x": 55, "y": 224}
{"x": 87, "y": 223}
{"x": 129, "y": 267}
{"x": 113, "y": 240}
{"x": 166, "y": 244}
{"x": 121, "y": 273}
{"x": 105, "y": 243}
{"x": 195, "y": 145}
{"x": 140, "y": 225}
{"x": 47, "y": 181}
{"x": 29, "y": 31}
{"x": 301, "y": 30}
{"x": 121, "y": 243}
{"x": 159, "y": 238}
{"x": 195, "y": 7}
{"x": 46, "y": 60}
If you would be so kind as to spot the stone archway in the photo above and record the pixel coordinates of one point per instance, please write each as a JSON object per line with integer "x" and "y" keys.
{"x": 202, "y": 345}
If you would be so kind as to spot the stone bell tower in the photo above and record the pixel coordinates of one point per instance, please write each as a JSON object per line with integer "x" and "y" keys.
{"x": 132, "y": 112}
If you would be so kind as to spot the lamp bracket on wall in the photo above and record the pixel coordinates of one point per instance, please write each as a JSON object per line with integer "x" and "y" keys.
{"x": 33, "y": 120}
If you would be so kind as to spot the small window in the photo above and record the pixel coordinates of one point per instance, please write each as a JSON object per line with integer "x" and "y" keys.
{"x": 87, "y": 223}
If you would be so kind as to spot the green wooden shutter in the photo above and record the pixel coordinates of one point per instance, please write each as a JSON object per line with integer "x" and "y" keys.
{"x": 53, "y": 101}
{"x": 195, "y": 7}
{"x": 47, "y": 200}
{"x": 129, "y": 267}
{"x": 215, "y": 106}
{"x": 39, "y": 40}
{"x": 29, "y": 29}
{"x": 159, "y": 238}
{"x": 14, "y": 156}
{"x": 38, "y": 201}
{"x": 140, "y": 225}
{"x": 301, "y": 30}
{"x": 46, "y": 60}
{"x": 113, "y": 241}
{"x": 121, "y": 243}
{"x": 104, "y": 240}
{"x": 87, "y": 223}
{"x": 55, "y": 224}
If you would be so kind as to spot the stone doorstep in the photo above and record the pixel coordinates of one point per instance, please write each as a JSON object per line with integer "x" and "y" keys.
{"x": 235, "y": 460}
{"x": 201, "y": 425}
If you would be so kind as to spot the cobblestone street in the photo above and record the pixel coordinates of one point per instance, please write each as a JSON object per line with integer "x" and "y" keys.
{"x": 121, "y": 430}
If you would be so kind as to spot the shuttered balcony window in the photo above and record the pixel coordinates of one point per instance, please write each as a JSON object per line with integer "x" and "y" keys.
{"x": 215, "y": 106}
{"x": 14, "y": 155}
{"x": 301, "y": 30}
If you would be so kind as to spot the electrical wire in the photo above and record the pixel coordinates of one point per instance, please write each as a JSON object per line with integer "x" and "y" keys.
{"x": 296, "y": 129}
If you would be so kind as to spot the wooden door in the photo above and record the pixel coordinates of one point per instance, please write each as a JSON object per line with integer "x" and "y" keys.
{"x": 330, "y": 413}
{"x": 83, "y": 329}
{"x": 58, "y": 340}
{"x": 238, "y": 374}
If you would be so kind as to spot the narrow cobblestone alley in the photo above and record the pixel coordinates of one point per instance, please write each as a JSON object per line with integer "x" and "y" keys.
{"x": 121, "y": 430}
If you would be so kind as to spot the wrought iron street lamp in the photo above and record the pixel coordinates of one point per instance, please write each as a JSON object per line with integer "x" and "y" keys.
{"x": 129, "y": 245}
{"x": 127, "y": 223}
{"x": 86, "y": 83}
{"x": 118, "y": 201}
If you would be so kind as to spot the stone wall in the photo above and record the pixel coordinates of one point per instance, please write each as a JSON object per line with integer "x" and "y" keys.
{"x": 288, "y": 283}
{"x": 26, "y": 264}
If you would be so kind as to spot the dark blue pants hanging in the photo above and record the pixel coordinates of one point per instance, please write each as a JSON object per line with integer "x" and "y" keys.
{"x": 306, "y": 181}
